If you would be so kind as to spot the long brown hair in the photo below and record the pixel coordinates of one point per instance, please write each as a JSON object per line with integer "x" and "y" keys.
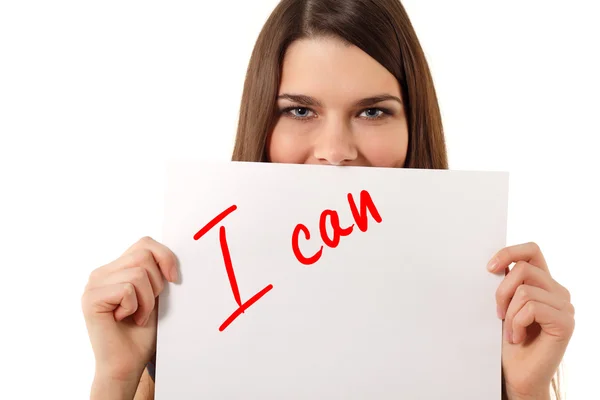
{"x": 383, "y": 30}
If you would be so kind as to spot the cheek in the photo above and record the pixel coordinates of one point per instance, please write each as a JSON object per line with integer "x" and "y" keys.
{"x": 385, "y": 149}
{"x": 284, "y": 147}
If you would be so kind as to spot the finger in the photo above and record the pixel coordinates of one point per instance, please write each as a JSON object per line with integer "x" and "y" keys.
{"x": 556, "y": 323}
{"x": 140, "y": 280}
{"x": 137, "y": 259}
{"x": 119, "y": 298}
{"x": 523, "y": 295}
{"x": 522, "y": 273}
{"x": 143, "y": 290}
{"x": 145, "y": 251}
{"x": 164, "y": 257}
{"x": 129, "y": 303}
{"x": 528, "y": 252}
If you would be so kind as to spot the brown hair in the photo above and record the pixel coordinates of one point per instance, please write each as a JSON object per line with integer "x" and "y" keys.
{"x": 383, "y": 30}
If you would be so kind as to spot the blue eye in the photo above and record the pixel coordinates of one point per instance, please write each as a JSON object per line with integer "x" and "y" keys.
{"x": 300, "y": 112}
{"x": 372, "y": 113}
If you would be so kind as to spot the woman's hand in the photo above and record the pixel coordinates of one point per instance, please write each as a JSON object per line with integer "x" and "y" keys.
{"x": 120, "y": 314}
{"x": 538, "y": 321}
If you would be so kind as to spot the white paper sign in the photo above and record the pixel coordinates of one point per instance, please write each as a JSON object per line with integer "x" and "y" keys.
{"x": 394, "y": 303}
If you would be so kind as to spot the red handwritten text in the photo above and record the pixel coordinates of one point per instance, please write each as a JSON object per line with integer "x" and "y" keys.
{"x": 360, "y": 218}
{"x": 229, "y": 268}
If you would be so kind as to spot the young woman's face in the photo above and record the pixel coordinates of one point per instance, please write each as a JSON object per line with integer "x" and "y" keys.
{"x": 337, "y": 106}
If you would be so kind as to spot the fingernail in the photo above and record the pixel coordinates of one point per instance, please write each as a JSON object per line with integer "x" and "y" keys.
{"x": 174, "y": 275}
{"x": 492, "y": 264}
{"x": 499, "y": 312}
{"x": 509, "y": 336}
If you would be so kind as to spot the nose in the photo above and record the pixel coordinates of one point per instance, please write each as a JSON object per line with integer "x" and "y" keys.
{"x": 335, "y": 144}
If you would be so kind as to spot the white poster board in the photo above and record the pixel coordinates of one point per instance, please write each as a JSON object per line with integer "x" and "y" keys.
{"x": 401, "y": 307}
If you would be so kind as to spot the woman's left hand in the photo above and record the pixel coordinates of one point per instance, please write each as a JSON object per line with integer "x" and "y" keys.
{"x": 538, "y": 321}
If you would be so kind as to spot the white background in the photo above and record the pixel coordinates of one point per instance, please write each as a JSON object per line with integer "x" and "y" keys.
{"x": 94, "y": 96}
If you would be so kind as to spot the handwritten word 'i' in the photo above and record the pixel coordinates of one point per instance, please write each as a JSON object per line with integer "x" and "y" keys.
{"x": 229, "y": 268}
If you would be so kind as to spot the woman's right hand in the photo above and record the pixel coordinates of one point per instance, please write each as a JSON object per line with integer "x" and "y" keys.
{"x": 120, "y": 314}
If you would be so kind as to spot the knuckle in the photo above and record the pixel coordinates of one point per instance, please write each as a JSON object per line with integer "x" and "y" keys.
{"x": 571, "y": 325}
{"x": 535, "y": 247}
{"x": 521, "y": 266}
{"x": 139, "y": 274}
{"x": 134, "y": 258}
{"x": 524, "y": 293}
{"x": 567, "y": 293}
{"x": 515, "y": 269}
{"x": 563, "y": 291}
{"x": 145, "y": 240}
{"x": 531, "y": 307}
{"x": 568, "y": 325}
{"x": 128, "y": 288}
{"x": 94, "y": 275}
{"x": 84, "y": 300}
{"x": 501, "y": 293}
{"x": 140, "y": 257}
{"x": 523, "y": 270}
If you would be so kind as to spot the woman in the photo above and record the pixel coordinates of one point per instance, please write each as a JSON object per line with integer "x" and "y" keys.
{"x": 332, "y": 82}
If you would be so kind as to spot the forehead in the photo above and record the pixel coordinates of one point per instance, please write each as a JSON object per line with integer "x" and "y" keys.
{"x": 332, "y": 70}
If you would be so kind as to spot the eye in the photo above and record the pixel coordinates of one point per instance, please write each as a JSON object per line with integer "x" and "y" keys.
{"x": 372, "y": 113}
{"x": 299, "y": 112}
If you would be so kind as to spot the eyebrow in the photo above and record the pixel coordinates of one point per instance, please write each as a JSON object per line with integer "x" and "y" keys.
{"x": 312, "y": 102}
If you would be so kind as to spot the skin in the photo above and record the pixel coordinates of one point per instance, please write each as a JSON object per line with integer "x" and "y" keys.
{"x": 337, "y": 130}
{"x": 326, "y": 118}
